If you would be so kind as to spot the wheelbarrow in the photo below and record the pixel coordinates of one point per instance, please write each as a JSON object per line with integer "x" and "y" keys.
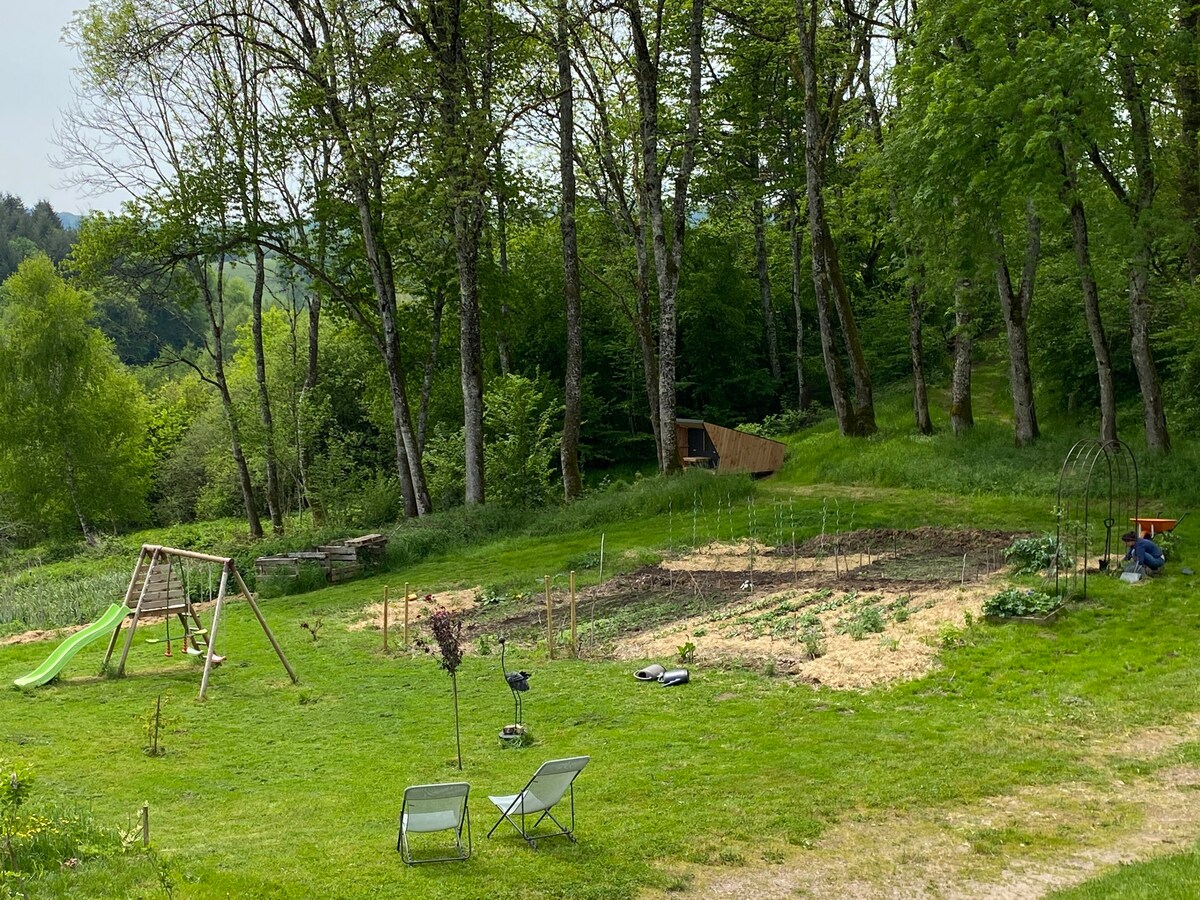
{"x": 1150, "y": 527}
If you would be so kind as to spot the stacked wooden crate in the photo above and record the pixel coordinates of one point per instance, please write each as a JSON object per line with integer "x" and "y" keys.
{"x": 340, "y": 561}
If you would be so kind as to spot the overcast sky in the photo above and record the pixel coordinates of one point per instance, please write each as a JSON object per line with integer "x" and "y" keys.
{"x": 35, "y": 84}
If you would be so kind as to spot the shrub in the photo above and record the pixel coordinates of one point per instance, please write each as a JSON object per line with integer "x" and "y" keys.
{"x": 1017, "y": 602}
{"x": 1032, "y": 555}
{"x": 784, "y": 423}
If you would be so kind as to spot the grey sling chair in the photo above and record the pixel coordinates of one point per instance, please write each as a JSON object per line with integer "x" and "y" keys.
{"x": 435, "y": 807}
{"x": 545, "y": 789}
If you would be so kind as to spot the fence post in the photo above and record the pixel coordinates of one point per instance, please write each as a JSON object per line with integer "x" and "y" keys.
{"x": 385, "y": 616}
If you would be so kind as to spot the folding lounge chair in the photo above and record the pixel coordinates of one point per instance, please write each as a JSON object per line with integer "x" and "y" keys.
{"x": 435, "y": 807}
{"x": 545, "y": 789}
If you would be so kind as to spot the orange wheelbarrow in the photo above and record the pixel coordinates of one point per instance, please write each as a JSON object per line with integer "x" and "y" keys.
{"x": 1149, "y": 527}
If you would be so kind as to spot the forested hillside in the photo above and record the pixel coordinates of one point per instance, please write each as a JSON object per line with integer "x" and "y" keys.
{"x": 26, "y": 231}
{"x": 387, "y": 257}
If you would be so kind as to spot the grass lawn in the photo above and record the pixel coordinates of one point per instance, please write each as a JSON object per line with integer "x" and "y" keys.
{"x": 277, "y": 790}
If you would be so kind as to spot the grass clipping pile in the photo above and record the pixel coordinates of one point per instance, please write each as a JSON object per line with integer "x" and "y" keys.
{"x": 858, "y": 610}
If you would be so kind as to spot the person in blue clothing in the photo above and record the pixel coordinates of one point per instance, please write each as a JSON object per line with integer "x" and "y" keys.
{"x": 1143, "y": 551}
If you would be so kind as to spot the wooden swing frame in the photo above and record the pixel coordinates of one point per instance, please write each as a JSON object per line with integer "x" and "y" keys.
{"x": 144, "y": 596}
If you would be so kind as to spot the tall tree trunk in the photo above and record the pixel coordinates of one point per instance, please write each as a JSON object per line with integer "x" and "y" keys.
{"x": 311, "y": 372}
{"x": 1091, "y": 300}
{"x": 89, "y": 534}
{"x": 916, "y": 348}
{"x": 572, "y": 382}
{"x": 1157, "y": 438}
{"x": 468, "y": 223}
{"x": 763, "y": 271}
{"x": 503, "y": 349}
{"x": 435, "y": 342}
{"x": 643, "y": 326}
{"x": 1187, "y": 88}
{"x": 962, "y": 419}
{"x": 802, "y": 398}
{"x": 1015, "y": 306}
{"x": 213, "y": 299}
{"x": 409, "y": 469}
{"x": 828, "y": 286}
{"x": 348, "y": 107}
{"x": 274, "y": 495}
{"x": 667, "y": 258}
{"x": 1137, "y": 202}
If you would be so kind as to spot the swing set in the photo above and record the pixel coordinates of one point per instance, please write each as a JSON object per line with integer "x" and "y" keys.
{"x": 167, "y": 582}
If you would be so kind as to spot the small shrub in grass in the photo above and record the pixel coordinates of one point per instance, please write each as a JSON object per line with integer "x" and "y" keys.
{"x": 46, "y": 838}
{"x": 1031, "y": 555}
{"x": 1014, "y": 601}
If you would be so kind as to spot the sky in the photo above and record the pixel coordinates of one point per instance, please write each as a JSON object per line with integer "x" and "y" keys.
{"x": 35, "y": 85}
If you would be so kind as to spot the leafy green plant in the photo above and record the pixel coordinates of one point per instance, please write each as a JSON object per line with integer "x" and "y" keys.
{"x": 15, "y": 784}
{"x": 1013, "y": 601}
{"x": 1033, "y": 555}
{"x": 867, "y": 619}
{"x": 686, "y": 652}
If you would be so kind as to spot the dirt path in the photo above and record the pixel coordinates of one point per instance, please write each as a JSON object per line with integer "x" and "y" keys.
{"x": 1011, "y": 847}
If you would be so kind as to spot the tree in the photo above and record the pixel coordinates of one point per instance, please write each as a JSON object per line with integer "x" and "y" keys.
{"x": 72, "y": 437}
{"x": 822, "y": 109}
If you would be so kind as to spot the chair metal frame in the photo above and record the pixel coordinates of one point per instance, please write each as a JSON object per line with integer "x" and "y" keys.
{"x": 517, "y": 802}
{"x": 464, "y": 822}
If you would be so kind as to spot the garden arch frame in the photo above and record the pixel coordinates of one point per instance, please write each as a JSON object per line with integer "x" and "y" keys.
{"x": 1100, "y": 474}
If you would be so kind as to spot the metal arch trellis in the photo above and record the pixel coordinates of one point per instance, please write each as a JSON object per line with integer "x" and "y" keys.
{"x": 1095, "y": 473}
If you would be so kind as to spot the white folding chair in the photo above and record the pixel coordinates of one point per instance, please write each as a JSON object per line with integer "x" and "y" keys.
{"x": 545, "y": 789}
{"x": 435, "y": 807}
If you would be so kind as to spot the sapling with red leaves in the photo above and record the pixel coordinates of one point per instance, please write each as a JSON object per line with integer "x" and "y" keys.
{"x": 446, "y": 625}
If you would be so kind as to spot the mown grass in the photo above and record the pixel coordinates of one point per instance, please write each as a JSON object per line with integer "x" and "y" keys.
{"x": 275, "y": 790}
{"x": 1175, "y": 877}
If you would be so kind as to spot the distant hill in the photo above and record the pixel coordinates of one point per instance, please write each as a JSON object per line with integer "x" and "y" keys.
{"x": 70, "y": 221}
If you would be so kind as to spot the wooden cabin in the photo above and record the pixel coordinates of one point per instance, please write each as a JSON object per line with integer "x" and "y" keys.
{"x": 704, "y": 445}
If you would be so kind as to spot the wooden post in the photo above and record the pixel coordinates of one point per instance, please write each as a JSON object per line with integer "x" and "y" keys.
{"x": 212, "y": 631}
{"x": 574, "y": 641}
{"x": 261, "y": 621}
{"x": 137, "y": 612}
{"x": 112, "y": 642}
{"x": 385, "y": 616}
{"x": 145, "y": 824}
{"x": 406, "y": 615}
{"x": 549, "y": 620}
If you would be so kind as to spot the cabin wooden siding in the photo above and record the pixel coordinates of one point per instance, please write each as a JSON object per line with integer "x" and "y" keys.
{"x": 737, "y": 451}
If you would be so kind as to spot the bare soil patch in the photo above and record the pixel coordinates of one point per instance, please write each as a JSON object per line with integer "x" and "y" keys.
{"x": 371, "y": 617}
{"x": 1011, "y": 847}
{"x": 848, "y": 611}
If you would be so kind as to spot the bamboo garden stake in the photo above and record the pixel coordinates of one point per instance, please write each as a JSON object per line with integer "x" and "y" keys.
{"x": 574, "y": 643}
{"x": 549, "y": 620}
{"x": 385, "y": 616}
{"x": 406, "y": 615}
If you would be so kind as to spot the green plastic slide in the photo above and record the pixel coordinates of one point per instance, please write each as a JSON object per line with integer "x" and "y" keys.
{"x": 72, "y": 645}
